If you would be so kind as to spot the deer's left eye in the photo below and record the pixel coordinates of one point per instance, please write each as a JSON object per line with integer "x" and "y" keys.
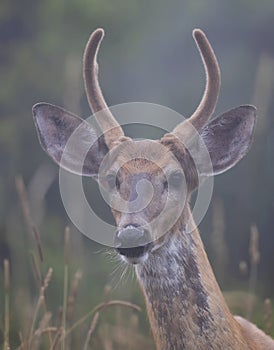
{"x": 176, "y": 179}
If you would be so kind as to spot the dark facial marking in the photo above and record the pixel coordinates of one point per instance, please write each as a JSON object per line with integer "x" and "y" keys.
{"x": 184, "y": 158}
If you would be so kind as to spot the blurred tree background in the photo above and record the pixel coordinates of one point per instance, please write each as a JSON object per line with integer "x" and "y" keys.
{"x": 148, "y": 54}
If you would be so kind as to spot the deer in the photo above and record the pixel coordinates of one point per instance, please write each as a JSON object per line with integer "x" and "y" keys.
{"x": 185, "y": 305}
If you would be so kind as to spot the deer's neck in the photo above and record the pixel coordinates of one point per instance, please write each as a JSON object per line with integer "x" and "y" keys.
{"x": 185, "y": 305}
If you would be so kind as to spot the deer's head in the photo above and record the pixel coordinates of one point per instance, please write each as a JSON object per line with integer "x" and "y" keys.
{"x": 147, "y": 181}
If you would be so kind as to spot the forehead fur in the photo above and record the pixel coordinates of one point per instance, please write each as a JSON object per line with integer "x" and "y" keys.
{"x": 143, "y": 155}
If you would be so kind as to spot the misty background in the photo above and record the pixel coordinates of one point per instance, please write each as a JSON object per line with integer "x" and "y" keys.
{"x": 148, "y": 54}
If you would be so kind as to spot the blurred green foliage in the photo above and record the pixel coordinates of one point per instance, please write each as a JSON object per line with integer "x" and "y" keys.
{"x": 147, "y": 55}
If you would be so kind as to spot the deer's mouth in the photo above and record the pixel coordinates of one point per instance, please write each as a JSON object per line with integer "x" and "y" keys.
{"x": 135, "y": 255}
{"x": 133, "y": 243}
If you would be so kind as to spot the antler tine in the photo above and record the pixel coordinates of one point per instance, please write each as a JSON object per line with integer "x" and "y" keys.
{"x": 109, "y": 126}
{"x": 207, "y": 105}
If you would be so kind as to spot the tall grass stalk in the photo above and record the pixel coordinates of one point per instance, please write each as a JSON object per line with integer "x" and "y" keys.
{"x": 56, "y": 340}
{"x": 73, "y": 294}
{"x": 7, "y": 304}
{"x": 39, "y": 303}
{"x": 23, "y": 198}
{"x": 254, "y": 254}
{"x": 91, "y": 330}
{"x": 101, "y": 307}
{"x": 263, "y": 87}
{"x": 268, "y": 315}
{"x": 37, "y": 239}
{"x": 36, "y": 270}
{"x": 65, "y": 293}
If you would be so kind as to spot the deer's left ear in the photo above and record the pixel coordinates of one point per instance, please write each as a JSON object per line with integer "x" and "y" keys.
{"x": 229, "y": 137}
{"x": 80, "y": 154}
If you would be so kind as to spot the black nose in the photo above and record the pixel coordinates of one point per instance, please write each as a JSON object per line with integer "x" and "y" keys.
{"x": 131, "y": 237}
{"x": 132, "y": 241}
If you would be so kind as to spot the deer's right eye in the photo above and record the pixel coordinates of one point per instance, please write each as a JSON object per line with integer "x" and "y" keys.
{"x": 112, "y": 181}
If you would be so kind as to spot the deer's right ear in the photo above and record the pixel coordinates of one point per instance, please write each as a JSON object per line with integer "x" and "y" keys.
{"x": 84, "y": 152}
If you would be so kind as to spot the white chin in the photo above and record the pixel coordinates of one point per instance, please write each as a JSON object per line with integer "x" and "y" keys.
{"x": 135, "y": 260}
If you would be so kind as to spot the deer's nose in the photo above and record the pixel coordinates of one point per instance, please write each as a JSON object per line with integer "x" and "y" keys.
{"x": 132, "y": 241}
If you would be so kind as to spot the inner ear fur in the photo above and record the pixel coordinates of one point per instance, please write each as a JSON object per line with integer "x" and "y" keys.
{"x": 55, "y": 126}
{"x": 228, "y": 137}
